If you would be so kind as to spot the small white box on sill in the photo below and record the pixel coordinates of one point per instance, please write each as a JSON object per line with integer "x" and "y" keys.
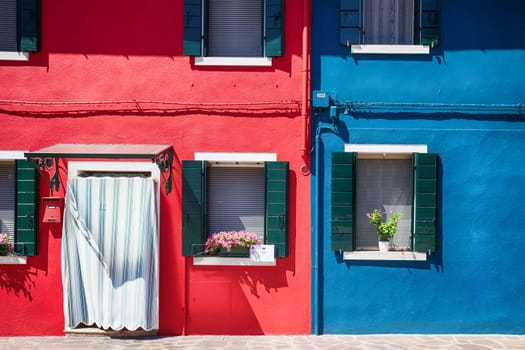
{"x": 262, "y": 253}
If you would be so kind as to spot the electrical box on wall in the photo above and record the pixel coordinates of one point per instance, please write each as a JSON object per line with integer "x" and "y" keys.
{"x": 320, "y": 99}
{"x": 52, "y": 209}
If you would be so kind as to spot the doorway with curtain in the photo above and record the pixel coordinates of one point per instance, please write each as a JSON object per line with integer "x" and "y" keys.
{"x": 110, "y": 252}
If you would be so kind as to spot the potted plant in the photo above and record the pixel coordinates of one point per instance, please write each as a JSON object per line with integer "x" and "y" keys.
{"x": 5, "y": 247}
{"x": 385, "y": 230}
{"x": 231, "y": 243}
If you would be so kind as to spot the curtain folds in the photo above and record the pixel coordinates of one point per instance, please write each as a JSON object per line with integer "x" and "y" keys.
{"x": 110, "y": 253}
{"x": 389, "y": 22}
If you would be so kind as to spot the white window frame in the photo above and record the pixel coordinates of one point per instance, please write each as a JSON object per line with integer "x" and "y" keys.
{"x": 236, "y": 159}
{"x": 234, "y": 61}
{"x": 12, "y": 260}
{"x": 386, "y": 150}
{"x": 14, "y": 56}
{"x": 390, "y": 49}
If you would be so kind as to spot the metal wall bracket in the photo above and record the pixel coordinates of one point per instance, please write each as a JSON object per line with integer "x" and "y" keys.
{"x": 45, "y": 164}
{"x": 164, "y": 161}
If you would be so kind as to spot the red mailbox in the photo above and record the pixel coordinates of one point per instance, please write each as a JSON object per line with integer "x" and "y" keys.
{"x": 52, "y": 209}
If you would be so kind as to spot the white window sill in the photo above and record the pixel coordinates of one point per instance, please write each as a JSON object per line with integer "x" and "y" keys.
{"x": 384, "y": 256}
{"x": 14, "y": 56}
{"x": 391, "y": 49}
{"x": 234, "y": 61}
{"x": 230, "y": 261}
{"x": 13, "y": 260}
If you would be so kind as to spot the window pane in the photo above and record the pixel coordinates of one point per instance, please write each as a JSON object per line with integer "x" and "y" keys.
{"x": 8, "y": 25}
{"x": 7, "y": 199}
{"x": 389, "y": 22}
{"x": 384, "y": 184}
{"x": 235, "y": 28}
{"x": 236, "y": 199}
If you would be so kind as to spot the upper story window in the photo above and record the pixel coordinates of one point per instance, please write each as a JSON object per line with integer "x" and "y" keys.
{"x": 376, "y": 23}
{"x": 246, "y": 29}
{"x": 19, "y": 28}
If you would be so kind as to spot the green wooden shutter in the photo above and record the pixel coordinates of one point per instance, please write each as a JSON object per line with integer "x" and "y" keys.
{"x": 427, "y": 22}
{"x": 344, "y": 166}
{"x": 350, "y": 22}
{"x": 274, "y": 28}
{"x": 276, "y": 188}
{"x": 26, "y": 232}
{"x": 424, "y": 223}
{"x": 28, "y": 25}
{"x": 193, "y": 206}
{"x": 192, "y": 27}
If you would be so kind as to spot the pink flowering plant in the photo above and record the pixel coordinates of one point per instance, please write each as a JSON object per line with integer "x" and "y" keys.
{"x": 385, "y": 230}
{"x": 5, "y": 246}
{"x": 229, "y": 239}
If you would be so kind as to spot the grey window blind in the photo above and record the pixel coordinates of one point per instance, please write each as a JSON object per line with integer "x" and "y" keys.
{"x": 235, "y": 28}
{"x": 384, "y": 184}
{"x": 7, "y": 198}
{"x": 8, "y": 31}
{"x": 236, "y": 199}
{"x": 389, "y": 22}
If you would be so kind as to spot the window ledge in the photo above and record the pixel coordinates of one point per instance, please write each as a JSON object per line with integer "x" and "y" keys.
{"x": 14, "y": 56}
{"x": 234, "y": 61}
{"x": 230, "y": 261}
{"x": 391, "y": 49}
{"x": 376, "y": 255}
{"x": 13, "y": 260}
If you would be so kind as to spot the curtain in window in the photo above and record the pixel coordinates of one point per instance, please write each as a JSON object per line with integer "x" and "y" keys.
{"x": 110, "y": 253}
{"x": 389, "y": 22}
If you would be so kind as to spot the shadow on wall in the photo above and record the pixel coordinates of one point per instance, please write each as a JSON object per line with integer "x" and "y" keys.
{"x": 18, "y": 280}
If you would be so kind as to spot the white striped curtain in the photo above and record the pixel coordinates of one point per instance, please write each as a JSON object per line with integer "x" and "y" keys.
{"x": 110, "y": 253}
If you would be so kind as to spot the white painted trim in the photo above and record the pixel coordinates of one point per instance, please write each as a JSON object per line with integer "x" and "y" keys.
{"x": 230, "y": 261}
{"x": 236, "y": 157}
{"x": 14, "y": 56}
{"x": 386, "y": 148}
{"x": 234, "y": 61}
{"x": 74, "y": 168}
{"x": 376, "y": 255}
{"x": 13, "y": 260}
{"x": 10, "y": 155}
{"x": 391, "y": 49}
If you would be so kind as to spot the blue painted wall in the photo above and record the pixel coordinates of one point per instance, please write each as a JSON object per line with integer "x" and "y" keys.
{"x": 475, "y": 283}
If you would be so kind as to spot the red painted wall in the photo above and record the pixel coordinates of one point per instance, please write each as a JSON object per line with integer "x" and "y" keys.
{"x": 131, "y": 50}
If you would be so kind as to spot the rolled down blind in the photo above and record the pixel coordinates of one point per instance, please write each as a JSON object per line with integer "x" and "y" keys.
{"x": 235, "y": 28}
{"x": 7, "y": 199}
{"x": 236, "y": 199}
{"x": 8, "y": 30}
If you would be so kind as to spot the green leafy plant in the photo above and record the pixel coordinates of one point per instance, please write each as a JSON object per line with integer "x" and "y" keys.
{"x": 385, "y": 230}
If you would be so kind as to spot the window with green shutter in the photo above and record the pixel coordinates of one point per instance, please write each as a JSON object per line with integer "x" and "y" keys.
{"x": 389, "y": 22}
{"x": 18, "y": 205}
{"x": 404, "y": 183}
{"x": 221, "y": 196}
{"x": 233, "y": 28}
{"x": 20, "y": 25}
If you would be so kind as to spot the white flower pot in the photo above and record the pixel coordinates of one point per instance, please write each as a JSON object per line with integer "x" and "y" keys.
{"x": 383, "y": 246}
